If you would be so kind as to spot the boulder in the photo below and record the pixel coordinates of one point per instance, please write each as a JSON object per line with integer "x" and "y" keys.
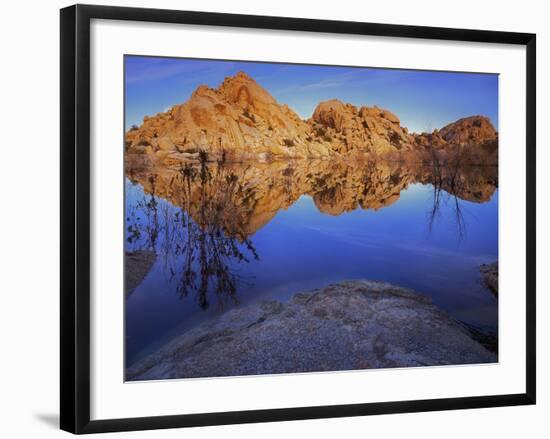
{"x": 239, "y": 117}
{"x": 368, "y": 129}
{"x": 349, "y": 325}
{"x": 136, "y": 266}
{"x": 489, "y": 273}
{"x": 475, "y": 130}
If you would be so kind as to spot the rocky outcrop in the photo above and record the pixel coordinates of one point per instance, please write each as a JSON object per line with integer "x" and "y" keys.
{"x": 475, "y": 130}
{"x": 136, "y": 266}
{"x": 345, "y": 326}
{"x": 489, "y": 273}
{"x": 367, "y": 129}
{"x": 471, "y": 140}
{"x": 240, "y": 120}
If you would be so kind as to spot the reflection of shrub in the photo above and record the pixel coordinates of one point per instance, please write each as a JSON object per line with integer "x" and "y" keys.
{"x": 127, "y": 144}
{"x": 288, "y": 142}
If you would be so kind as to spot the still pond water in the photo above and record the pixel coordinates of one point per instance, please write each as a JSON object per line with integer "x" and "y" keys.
{"x": 228, "y": 235}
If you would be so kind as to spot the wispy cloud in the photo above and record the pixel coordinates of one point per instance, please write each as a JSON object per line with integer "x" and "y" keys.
{"x": 355, "y": 76}
{"x": 155, "y": 71}
{"x": 334, "y": 80}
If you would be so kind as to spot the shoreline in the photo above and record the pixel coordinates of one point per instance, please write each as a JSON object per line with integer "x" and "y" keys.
{"x": 166, "y": 159}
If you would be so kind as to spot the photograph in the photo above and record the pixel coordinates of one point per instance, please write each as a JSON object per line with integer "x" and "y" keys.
{"x": 267, "y": 220}
{"x": 288, "y": 218}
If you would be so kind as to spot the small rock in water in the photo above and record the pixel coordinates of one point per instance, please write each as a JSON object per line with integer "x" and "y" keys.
{"x": 137, "y": 265}
{"x": 489, "y": 272}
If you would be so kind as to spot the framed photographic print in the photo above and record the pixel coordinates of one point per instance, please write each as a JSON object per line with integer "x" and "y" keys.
{"x": 268, "y": 218}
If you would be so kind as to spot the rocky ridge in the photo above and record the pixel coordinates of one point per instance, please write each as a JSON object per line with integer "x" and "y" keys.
{"x": 240, "y": 120}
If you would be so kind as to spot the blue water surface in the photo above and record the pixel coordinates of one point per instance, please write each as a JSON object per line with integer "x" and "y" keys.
{"x": 302, "y": 248}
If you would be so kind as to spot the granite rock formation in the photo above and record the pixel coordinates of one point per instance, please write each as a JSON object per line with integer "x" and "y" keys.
{"x": 240, "y": 120}
{"x": 367, "y": 129}
{"x": 345, "y": 326}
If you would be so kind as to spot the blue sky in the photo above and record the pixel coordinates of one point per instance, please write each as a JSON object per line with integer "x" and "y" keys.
{"x": 423, "y": 100}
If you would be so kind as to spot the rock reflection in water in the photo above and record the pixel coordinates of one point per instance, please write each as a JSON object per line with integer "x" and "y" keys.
{"x": 215, "y": 209}
{"x": 195, "y": 251}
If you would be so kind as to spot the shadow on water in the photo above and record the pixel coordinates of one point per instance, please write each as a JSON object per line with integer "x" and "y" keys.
{"x": 199, "y": 217}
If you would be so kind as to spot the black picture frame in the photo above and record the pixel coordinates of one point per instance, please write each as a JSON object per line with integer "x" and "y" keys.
{"x": 75, "y": 217}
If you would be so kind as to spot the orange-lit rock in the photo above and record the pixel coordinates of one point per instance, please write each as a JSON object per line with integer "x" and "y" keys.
{"x": 240, "y": 120}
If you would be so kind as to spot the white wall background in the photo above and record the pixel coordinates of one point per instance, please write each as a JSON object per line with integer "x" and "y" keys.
{"x": 29, "y": 206}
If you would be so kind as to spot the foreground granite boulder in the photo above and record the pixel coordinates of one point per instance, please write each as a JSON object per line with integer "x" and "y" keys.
{"x": 349, "y": 325}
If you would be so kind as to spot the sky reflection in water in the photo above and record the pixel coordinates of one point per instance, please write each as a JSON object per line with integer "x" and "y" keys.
{"x": 301, "y": 248}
